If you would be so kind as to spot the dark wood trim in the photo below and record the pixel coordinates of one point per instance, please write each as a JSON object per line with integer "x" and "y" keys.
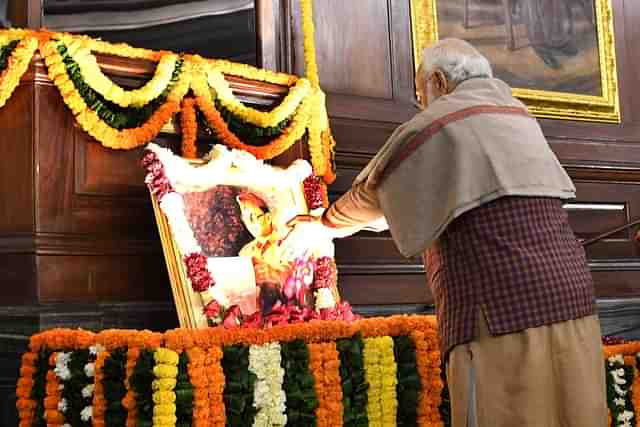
{"x": 266, "y": 34}
{"x": 76, "y": 244}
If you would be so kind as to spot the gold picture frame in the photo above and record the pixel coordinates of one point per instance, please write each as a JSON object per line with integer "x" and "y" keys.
{"x": 544, "y": 103}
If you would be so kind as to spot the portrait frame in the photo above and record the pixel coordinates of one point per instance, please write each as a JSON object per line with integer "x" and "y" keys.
{"x": 543, "y": 103}
{"x": 282, "y": 187}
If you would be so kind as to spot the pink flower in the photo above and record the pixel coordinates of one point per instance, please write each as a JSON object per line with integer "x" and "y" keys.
{"x": 212, "y": 310}
{"x": 232, "y": 317}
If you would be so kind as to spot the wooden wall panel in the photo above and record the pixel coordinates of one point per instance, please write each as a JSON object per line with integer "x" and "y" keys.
{"x": 347, "y": 27}
{"x": 16, "y": 179}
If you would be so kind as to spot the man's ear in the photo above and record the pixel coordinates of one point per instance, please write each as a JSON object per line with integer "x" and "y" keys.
{"x": 441, "y": 82}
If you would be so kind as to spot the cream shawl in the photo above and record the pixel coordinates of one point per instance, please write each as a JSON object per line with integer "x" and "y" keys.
{"x": 468, "y": 148}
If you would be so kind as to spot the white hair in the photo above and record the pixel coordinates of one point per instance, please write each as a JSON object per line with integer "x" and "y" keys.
{"x": 457, "y": 59}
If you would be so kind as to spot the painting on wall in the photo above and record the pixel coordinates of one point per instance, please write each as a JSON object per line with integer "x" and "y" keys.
{"x": 557, "y": 55}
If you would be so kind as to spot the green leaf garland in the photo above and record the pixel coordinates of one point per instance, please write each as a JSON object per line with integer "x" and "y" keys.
{"x": 184, "y": 394}
{"x": 238, "y": 387}
{"x": 38, "y": 392}
{"x": 354, "y": 384}
{"x": 5, "y": 53}
{"x": 409, "y": 386}
{"x": 141, "y": 379}
{"x": 114, "y": 372}
{"x": 298, "y": 385}
{"x": 115, "y": 116}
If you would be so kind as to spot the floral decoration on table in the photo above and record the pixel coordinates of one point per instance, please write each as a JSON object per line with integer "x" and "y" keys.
{"x": 328, "y": 373}
{"x": 122, "y": 118}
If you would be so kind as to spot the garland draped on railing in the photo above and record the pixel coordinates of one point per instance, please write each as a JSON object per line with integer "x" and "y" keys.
{"x": 307, "y": 374}
{"x": 121, "y": 118}
{"x": 379, "y": 371}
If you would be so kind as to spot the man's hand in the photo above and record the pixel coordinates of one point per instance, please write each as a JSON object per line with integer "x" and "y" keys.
{"x": 298, "y": 219}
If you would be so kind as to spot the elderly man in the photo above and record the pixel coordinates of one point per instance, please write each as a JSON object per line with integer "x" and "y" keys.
{"x": 472, "y": 185}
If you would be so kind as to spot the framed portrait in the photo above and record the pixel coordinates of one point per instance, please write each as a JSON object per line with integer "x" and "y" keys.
{"x": 232, "y": 254}
{"x": 557, "y": 55}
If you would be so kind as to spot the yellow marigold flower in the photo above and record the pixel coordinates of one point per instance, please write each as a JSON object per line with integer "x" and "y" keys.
{"x": 165, "y": 371}
{"x": 164, "y": 384}
{"x": 165, "y": 420}
{"x": 164, "y": 397}
{"x": 164, "y": 409}
{"x": 56, "y": 69}
{"x": 75, "y": 102}
{"x": 164, "y": 355}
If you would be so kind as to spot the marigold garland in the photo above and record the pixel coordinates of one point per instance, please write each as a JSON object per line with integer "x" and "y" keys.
{"x": 164, "y": 397}
{"x": 25, "y": 404}
{"x": 79, "y": 51}
{"x": 308, "y": 29}
{"x": 90, "y": 116}
{"x": 251, "y": 72}
{"x": 215, "y": 374}
{"x": 52, "y": 413}
{"x": 428, "y": 361}
{"x": 99, "y": 401}
{"x": 189, "y": 128}
{"x": 18, "y": 63}
{"x": 380, "y": 373}
{"x": 129, "y": 400}
{"x": 91, "y": 122}
{"x": 285, "y": 109}
{"x": 200, "y": 381}
{"x": 324, "y": 364}
{"x": 279, "y": 145}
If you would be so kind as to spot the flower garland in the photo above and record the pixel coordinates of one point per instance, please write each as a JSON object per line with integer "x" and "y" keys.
{"x": 428, "y": 361}
{"x": 354, "y": 383}
{"x": 324, "y": 363}
{"x": 103, "y": 123}
{"x": 99, "y": 401}
{"x": 164, "y": 396}
{"x": 308, "y": 29}
{"x": 218, "y": 383}
{"x": 140, "y": 385}
{"x": 184, "y": 393}
{"x": 279, "y": 145}
{"x": 116, "y": 49}
{"x": 54, "y": 406}
{"x": 200, "y": 382}
{"x": 380, "y": 373}
{"x": 251, "y": 72}
{"x": 215, "y": 374}
{"x": 298, "y": 385}
{"x": 93, "y": 97}
{"x": 26, "y": 404}
{"x": 79, "y": 51}
{"x": 189, "y": 128}
{"x": 284, "y": 110}
{"x": 619, "y": 380}
{"x": 17, "y": 64}
{"x": 129, "y": 401}
{"x": 114, "y": 374}
{"x": 268, "y": 395}
{"x": 239, "y": 385}
{"x": 408, "y": 381}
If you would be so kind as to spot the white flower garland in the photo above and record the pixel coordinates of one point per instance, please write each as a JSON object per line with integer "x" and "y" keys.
{"x": 621, "y": 387}
{"x": 268, "y": 396}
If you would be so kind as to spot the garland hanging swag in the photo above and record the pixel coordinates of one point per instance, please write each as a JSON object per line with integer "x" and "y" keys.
{"x": 120, "y": 118}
